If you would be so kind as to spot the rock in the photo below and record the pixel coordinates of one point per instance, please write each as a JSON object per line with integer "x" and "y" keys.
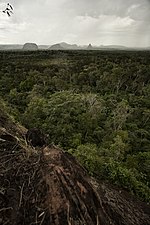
{"x": 35, "y": 137}
{"x": 89, "y": 47}
{"x": 56, "y": 47}
{"x": 30, "y": 46}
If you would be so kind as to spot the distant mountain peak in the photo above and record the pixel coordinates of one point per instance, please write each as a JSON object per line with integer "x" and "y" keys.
{"x": 90, "y": 47}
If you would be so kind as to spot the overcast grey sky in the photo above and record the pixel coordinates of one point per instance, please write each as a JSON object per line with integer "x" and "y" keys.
{"x": 100, "y": 22}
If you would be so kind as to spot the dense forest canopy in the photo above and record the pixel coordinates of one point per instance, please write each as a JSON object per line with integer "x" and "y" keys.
{"x": 94, "y": 104}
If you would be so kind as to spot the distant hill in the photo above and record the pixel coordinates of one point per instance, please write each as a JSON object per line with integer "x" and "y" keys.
{"x": 56, "y": 47}
{"x": 105, "y": 47}
{"x": 30, "y": 46}
{"x": 68, "y": 46}
{"x": 64, "y": 46}
{"x": 121, "y": 47}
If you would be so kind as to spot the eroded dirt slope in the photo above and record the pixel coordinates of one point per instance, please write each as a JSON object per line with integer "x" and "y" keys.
{"x": 47, "y": 186}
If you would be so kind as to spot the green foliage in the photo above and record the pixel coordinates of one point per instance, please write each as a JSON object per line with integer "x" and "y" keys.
{"x": 88, "y": 156}
{"x": 68, "y": 118}
{"x": 127, "y": 178}
{"x": 94, "y": 104}
{"x": 35, "y": 113}
{"x": 108, "y": 168}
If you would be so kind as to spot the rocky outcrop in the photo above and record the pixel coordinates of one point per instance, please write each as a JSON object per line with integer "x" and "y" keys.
{"x": 69, "y": 46}
{"x": 42, "y": 184}
{"x": 90, "y": 47}
{"x": 35, "y": 137}
{"x": 30, "y": 47}
{"x": 56, "y": 47}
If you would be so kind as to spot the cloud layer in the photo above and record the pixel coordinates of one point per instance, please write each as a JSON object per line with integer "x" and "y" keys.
{"x": 100, "y": 22}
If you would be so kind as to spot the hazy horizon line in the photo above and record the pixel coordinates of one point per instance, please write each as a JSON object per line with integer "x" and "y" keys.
{"x": 79, "y": 45}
